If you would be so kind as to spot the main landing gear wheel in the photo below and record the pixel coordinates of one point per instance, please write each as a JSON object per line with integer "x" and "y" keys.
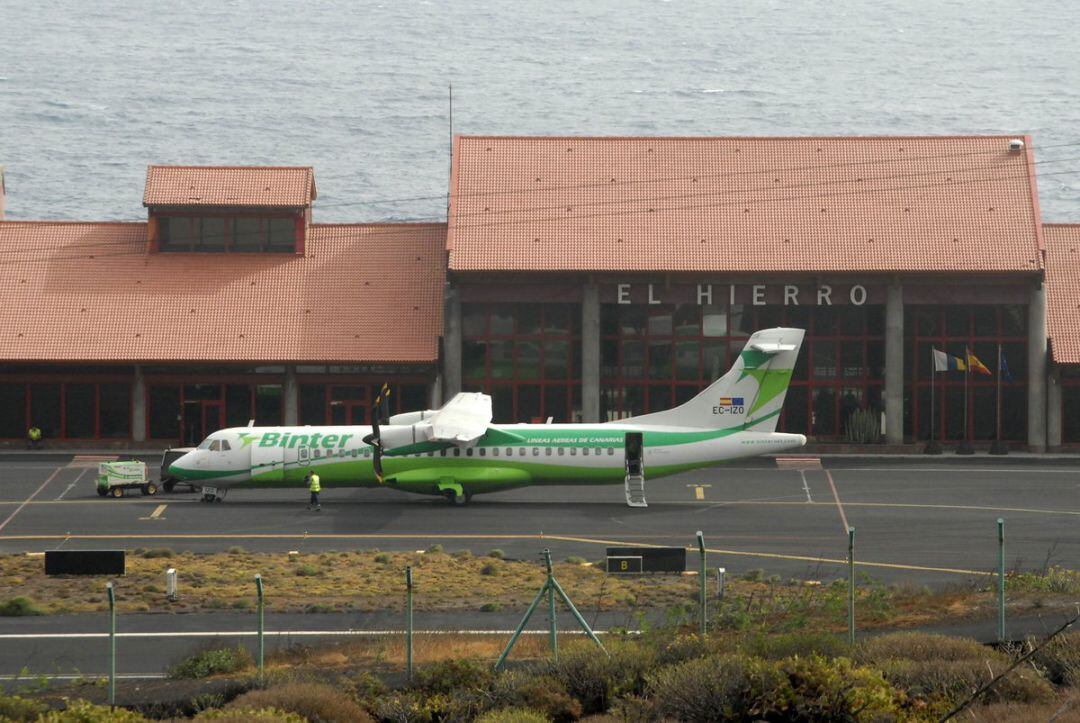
{"x": 458, "y": 500}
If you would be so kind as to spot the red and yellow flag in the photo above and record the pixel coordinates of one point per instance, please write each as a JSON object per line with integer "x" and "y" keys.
{"x": 977, "y": 366}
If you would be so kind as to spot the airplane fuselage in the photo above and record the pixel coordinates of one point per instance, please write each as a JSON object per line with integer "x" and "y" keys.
{"x": 506, "y": 456}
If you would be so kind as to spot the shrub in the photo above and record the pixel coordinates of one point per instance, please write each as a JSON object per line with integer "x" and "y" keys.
{"x": 449, "y": 676}
{"x": 921, "y": 646}
{"x": 728, "y": 686}
{"x": 211, "y": 662}
{"x": 18, "y": 607}
{"x": 954, "y": 680}
{"x": 236, "y": 550}
{"x": 755, "y": 575}
{"x": 435, "y": 549}
{"x": 17, "y": 709}
{"x": 497, "y": 554}
{"x": 156, "y": 552}
{"x": 307, "y": 571}
{"x": 778, "y": 647}
{"x": 266, "y": 715}
{"x": 513, "y": 715}
{"x": 543, "y": 693}
{"x": 313, "y": 701}
{"x": 596, "y": 679}
{"x": 575, "y": 560}
{"x": 490, "y": 568}
{"x": 1060, "y": 658}
{"x": 836, "y": 689}
{"x": 462, "y": 555}
{"x": 382, "y": 558}
{"x": 79, "y": 711}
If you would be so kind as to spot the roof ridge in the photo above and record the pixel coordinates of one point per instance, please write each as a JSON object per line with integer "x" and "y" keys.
{"x": 953, "y": 136}
{"x": 237, "y": 168}
{"x": 44, "y": 222}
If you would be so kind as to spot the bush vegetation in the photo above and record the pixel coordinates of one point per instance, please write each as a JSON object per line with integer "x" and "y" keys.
{"x": 18, "y": 607}
{"x": 211, "y": 662}
{"x": 310, "y": 701}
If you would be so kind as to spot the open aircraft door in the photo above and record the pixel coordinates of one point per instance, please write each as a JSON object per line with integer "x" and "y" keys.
{"x": 635, "y": 469}
{"x": 268, "y": 463}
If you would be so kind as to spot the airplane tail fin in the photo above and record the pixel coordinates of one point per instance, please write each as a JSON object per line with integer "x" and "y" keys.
{"x": 749, "y": 396}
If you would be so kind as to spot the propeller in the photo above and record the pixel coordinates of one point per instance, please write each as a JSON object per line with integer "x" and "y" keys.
{"x": 374, "y": 439}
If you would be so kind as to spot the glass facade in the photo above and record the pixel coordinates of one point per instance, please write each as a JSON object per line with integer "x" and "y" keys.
{"x": 653, "y": 357}
{"x": 937, "y": 399}
{"x": 221, "y": 234}
{"x": 66, "y": 410}
{"x": 352, "y": 403}
{"x": 527, "y": 357}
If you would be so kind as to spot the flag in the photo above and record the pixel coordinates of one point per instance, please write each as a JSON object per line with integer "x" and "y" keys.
{"x": 947, "y": 362}
{"x": 977, "y": 366}
{"x": 1003, "y": 368}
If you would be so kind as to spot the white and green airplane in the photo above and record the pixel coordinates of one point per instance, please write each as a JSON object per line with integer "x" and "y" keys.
{"x": 457, "y": 452}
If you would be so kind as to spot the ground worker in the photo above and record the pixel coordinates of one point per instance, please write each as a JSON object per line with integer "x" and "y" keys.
{"x": 315, "y": 488}
{"x": 33, "y": 438}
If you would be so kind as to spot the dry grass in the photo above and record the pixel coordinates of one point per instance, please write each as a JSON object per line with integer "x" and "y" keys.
{"x": 365, "y": 581}
{"x": 388, "y": 653}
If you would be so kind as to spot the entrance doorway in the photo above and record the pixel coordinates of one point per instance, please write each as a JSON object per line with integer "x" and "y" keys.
{"x": 348, "y": 412}
{"x": 200, "y": 418}
{"x": 634, "y": 447}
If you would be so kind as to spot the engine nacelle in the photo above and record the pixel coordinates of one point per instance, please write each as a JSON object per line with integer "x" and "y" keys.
{"x": 412, "y": 417}
{"x": 403, "y": 435}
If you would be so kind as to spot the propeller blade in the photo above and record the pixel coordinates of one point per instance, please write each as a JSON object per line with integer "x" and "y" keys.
{"x": 375, "y": 438}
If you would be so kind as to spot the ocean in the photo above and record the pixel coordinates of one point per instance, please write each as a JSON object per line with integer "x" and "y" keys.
{"x": 91, "y": 93}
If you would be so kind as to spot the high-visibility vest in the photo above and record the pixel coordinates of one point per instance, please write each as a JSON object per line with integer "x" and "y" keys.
{"x": 34, "y": 434}
{"x": 314, "y": 485}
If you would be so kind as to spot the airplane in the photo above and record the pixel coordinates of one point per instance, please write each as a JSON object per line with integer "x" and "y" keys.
{"x": 457, "y": 452}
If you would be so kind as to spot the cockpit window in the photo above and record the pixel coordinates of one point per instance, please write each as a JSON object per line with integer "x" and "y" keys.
{"x": 215, "y": 446}
{"x": 205, "y": 444}
{"x": 225, "y": 447}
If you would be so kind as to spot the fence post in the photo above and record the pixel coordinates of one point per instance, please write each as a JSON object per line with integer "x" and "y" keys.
{"x": 851, "y": 585}
{"x": 408, "y": 623}
{"x": 112, "y": 643}
{"x": 259, "y": 589}
{"x": 1001, "y": 579}
{"x": 702, "y": 575}
{"x": 553, "y": 631}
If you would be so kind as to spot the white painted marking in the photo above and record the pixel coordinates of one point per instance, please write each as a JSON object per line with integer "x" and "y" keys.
{"x": 843, "y": 517}
{"x": 84, "y": 676}
{"x": 27, "y": 500}
{"x": 156, "y": 514}
{"x": 805, "y": 486}
{"x": 277, "y": 633}
{"x": 72, "y": 485}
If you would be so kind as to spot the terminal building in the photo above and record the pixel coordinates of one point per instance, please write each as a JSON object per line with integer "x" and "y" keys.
{"x": 576, "y": 279}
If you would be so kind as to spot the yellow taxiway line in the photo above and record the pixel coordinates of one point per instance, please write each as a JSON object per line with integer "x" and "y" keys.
{"x": 540, "y": 538}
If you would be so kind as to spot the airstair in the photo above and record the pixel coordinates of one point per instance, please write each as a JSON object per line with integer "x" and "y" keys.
{"x": 635, "y": 486}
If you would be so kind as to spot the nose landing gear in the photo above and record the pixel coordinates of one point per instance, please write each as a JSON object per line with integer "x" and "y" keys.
{"x": 212, "y": 494}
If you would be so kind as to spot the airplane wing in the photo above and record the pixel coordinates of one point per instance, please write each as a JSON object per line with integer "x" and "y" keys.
{"x": 463, "y": 419}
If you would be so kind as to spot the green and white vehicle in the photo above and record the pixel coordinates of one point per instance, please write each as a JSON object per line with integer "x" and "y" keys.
{"x": 457, "y": 452}
{"x": 115, "y": 477}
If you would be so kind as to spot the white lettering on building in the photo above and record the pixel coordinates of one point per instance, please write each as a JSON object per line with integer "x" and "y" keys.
{"x": 652, "y": 299}
{"x": 759, "y": 294}
{"x": 704, "y": 294}
{"x": 858, "y": 295}
{"x": 624, "y": 293}
{"x": 824, "y": 294}
{"x": 791, "y": 295}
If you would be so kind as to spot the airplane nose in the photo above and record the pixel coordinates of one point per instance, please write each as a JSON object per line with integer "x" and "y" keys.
{"x": 177, "y": 468}
{"x": 802, "y": 440}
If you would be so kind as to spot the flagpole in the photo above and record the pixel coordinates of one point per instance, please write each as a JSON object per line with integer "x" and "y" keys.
{"x": 999, "y": 447}
{"x": 965, "y": 444}
{"x": 932, "y": 447}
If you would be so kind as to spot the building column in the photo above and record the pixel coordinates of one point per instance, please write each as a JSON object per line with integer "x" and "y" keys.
{"x": 590, "y": 354}
{"x": 1054, "y": 409}
{"x": 138, "y": 407}
{"x": 1037, "y": 369}
{"x": 290, "y": 397}
{"x": 894, "y": 365}
{"x": 452, "y": 339}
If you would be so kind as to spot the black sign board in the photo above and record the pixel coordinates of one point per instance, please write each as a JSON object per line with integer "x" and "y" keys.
{"x": 653, "y": 559}
{"x": 624, "y": 565}
{"x": 84, "y": 562}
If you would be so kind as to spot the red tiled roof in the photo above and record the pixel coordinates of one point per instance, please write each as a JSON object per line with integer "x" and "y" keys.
{"x": 1063, "y": 291}
{"x": 259, "y": 186}
{"x": 927, "y": 204}
{"x": 89, "y": 292}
